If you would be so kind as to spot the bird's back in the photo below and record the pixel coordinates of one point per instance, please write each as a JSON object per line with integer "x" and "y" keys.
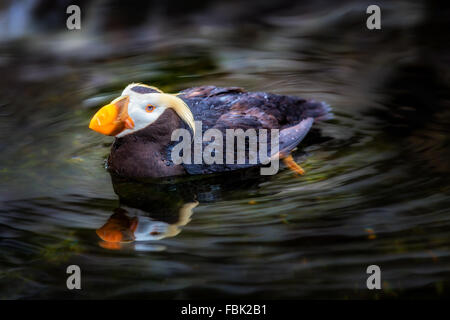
{"x": 233, "y": 107}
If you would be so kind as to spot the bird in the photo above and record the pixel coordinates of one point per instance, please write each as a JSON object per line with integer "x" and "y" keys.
{"x": 143, "y": 120}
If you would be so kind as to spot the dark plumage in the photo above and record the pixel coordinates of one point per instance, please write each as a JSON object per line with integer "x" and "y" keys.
{"x": 146, "y": 152}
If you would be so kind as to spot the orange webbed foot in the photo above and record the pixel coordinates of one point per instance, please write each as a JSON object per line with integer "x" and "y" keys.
{"x": 292, "y": 165}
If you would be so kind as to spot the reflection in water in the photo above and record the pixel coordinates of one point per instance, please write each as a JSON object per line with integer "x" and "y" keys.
{"x": 154, "y": 210}
{"x": 132, "y": 224}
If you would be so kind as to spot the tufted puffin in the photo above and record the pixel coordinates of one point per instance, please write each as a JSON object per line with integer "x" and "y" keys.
{"x": 143, "y": 120}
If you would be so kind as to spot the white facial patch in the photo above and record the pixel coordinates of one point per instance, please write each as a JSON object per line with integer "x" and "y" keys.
{"x": 137, "y": 110}
{"x": 160, "y": 101}
{"x": 149, "y": 229}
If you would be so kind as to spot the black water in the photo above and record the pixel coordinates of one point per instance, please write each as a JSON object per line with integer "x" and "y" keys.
{"x": 376, "y": 189}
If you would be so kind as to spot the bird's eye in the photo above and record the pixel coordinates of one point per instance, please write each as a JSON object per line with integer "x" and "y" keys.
{"x": 149, "y": 108}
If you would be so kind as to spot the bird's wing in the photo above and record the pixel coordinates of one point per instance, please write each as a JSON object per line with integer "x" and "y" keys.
{"x": 233, "y": 108}
{"x": 290, "y": 137}
{"x": 208, "y": 91}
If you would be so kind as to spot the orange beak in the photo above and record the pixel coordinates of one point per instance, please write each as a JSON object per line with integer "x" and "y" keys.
{"x": 113, "y": 118}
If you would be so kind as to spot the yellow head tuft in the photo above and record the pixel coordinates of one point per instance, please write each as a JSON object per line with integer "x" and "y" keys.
{"x": 180, "y": 107}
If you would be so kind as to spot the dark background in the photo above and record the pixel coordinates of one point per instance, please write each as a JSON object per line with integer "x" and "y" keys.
{"x": 377, "y": 184}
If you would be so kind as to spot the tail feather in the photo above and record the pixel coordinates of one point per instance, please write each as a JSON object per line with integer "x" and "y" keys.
{"x": 320, "y": 111}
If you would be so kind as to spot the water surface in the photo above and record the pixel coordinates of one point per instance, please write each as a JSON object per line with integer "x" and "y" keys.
{"x": 376, "y": 189}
